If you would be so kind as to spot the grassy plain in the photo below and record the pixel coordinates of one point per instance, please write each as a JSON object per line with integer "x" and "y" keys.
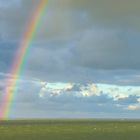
{"x": 70, "y": 130}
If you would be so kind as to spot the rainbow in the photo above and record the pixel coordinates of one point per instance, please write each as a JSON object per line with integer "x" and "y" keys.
{"x": 20, "y": 58}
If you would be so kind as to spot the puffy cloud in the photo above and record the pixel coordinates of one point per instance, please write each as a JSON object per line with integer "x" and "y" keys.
{"x": 133, "y": 107}
{"x": 122, "y": 95}
{"x": 55, "y": 88}
{"x": 36, "y": 96}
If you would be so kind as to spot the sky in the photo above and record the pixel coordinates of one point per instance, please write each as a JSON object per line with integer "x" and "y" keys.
{"x": 83, "y": 62}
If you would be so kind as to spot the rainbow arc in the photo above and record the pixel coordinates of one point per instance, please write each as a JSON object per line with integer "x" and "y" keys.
{"x": 20, "y": 57}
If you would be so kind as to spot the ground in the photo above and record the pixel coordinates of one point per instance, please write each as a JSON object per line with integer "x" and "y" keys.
{"x": 70, "y": 130}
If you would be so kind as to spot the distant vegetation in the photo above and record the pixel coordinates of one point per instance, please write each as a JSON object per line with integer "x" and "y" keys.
{"x": 69, "y": 130}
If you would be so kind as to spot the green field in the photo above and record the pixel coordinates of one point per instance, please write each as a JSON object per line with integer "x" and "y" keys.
{"x": 69, "y": 130}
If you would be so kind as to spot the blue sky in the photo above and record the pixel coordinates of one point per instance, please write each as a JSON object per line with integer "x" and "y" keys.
{"x": 83, "y": 63}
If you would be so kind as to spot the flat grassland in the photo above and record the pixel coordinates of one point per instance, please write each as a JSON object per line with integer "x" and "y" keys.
{"x": 70, "y": 130}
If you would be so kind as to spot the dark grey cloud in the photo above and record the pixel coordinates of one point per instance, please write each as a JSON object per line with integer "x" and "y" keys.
{"x": 7, "y": 53}
{"x": 107, "y": 49}
{"x": 132, "y": 99}
{"x": 82, "y": 64}
{"x": 94, "y": 46}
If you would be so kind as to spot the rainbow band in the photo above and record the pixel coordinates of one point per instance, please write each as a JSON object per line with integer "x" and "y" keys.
{"x": 20, "y": 58}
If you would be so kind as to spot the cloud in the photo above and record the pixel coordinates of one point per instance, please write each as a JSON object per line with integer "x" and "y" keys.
{"x": 71, "y": 17}
{"x": 124, "y": 94}
{"x": 106, "y": 50}
{"x": 8, "y": 4}
{"x": 55, "y": 88}
{"x": 81, "y": 29}
{"x": 133, "y": 107}
{"x": 37, "y": 96}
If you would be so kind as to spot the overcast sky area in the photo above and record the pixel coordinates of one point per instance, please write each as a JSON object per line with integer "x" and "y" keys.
{"x": 84, "y": 61}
